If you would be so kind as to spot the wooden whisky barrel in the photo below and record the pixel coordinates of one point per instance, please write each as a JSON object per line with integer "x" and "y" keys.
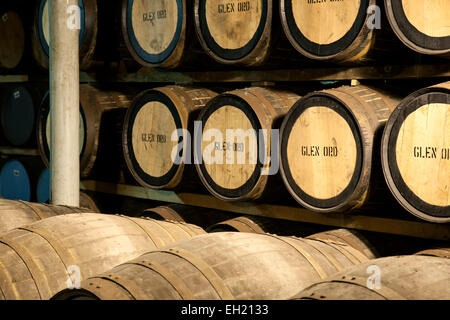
{"x": 235, "y": 32}
{"x": 338, "y": 31}
{"x": 256, "y": 224}
{"x": 37, "y": 260}
{"x": 421, "y": 25}
{"x": 150, "y": 133}
{"x": 228, "y": 265}
{"x": 235, "y": 142}
{"x": 15, "y": 214}
{"x": 400, "y": 278}
{"x": 443, "y": 252}
{"x": 155, "y": 32}
{"x": 88, "y": 33}
{"x": 18, "y": 178}
{"x": 329, "y": 147}
{"x": 350, "y": 237}
{"x": 18, "y": 108}
{"x": 101, "y": 120}
{"x": 416, "y": 153}
{"x": 201, "y": 217}
{"x": 12, "y": 39}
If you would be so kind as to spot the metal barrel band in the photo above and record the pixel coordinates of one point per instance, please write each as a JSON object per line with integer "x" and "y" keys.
{"x": 155, "y": 222}
{"x": 96, "y": 287}
{"x": 354, "y": 255}
{"x": 183, "y": 227}
{"x": 67, "y": 258}
{"x": 144, "y": 229}
{"x": 37, "y": 275}
{"x": 250, "y": 224}
{"x": 35, "y": 210}
{"x": 128, "y": 285}
{"x": 174, "y": 280}
{"x": 208, "y": 272}
{"x": 384, "y": 291}
{"x": 4, "y": 274}
{"x": 330, "y": 258}
{"x": 316, "y": 266}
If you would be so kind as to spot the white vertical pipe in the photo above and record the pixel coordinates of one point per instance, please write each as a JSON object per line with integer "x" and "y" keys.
{"x": 64, "y": 102}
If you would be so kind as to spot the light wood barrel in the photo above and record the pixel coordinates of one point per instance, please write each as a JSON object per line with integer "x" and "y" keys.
{"x": 12, "y": 39}
{"x": 15, "y": 214}
{"x": 422, "y": 25}
{"x": 101, "y": 120}
{"x": 150, "y": 133}
{"x": 236, "y": 129}
{"x": 201, "y": 217}
{"x": 401, "y": 278}
{"x": 38, "y": 260}
{"x": 350, "y": 237}
{"x": 155, "y": 32}
{"x": 416, "y": 153}
{"x": 256, "y": 224}
{"x": 228, "y": 265}
{"x": 18, "y": 110}
{"x": 88, "y": 33}
{"x": 443, "y": 252}
{"x": 328, "y": 30}
{"x": 235, "y": 32}
{"x": 329, "y": 147}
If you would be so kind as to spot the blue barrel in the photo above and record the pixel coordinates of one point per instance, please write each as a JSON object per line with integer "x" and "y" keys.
{"x": 17, "y": 115}
{"x": 43, "y": 186}
{"x": 14, "y": 181}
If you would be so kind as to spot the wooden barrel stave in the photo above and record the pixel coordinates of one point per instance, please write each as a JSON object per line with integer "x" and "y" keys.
{"x": 221, "y": 266}
{"x": 176, "y": 108}
{"x": 55, "y": 244}
{"x": 407, "y": 180}
{"x": 401, "y": 278}
{"x": 358, "y": 115}
{"x": 253, "y": 109}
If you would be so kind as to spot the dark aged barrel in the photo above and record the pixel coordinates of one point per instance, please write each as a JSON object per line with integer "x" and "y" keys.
{"x": 235, "y": 31}
{"x": 88, "y": 32}
{"x": 236, "y": 149}
{"x": 343, "y": 31}
{"x": 88, "y": 202}
{"x": 150, "y": 134}
{"x": 38, "y": 260}
{"x": 18, "y": 108}
{"x": 328, "y": 147}
{"x": 201, "y": 217}
{"x": 18, "y": 179}
{"x": 421, "y": 25}
{"x": 416, "y": 153}
{"x": 12, "y": 39}
{"x": 101, "y": 120}
{"x": 391, "y": 278}
{"x": 228, "y": 265}
{"x": 256, "y": 224}
{"x": 15, "y": 214}
{"x": 157, "y": 32}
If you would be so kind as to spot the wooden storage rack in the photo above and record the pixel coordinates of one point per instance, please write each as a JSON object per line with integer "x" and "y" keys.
{"x": 409, "y": 226}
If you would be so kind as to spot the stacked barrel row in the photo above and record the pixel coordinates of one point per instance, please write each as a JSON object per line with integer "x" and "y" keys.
{"x": 66, "y": 253}
{"x": 162, "y": 33}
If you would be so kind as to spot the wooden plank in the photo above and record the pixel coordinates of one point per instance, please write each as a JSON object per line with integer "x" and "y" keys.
{"x": 312, "y": 74}
{"x": 18, "y": 152}
{"x": 413, "y": 228}
{"x": 13, "y": 78}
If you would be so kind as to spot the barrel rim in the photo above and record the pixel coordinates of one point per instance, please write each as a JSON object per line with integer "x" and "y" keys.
{"x": 410, "y": 36}
{"x": 140, "y": 101}
{"x": 41, "y": 128}
{"x": 341, "y": 200}
{"x": 135, "y": 48}
{"x": 213, "y": 105}
{"x": 317, "y": 51}
{"x": 407, "y": 199}
{"x": 229, "y": 55}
